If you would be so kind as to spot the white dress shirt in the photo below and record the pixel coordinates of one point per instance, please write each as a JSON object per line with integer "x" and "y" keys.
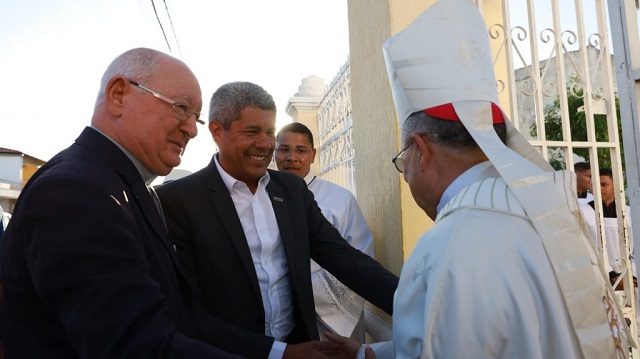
{"x": 261, "y": 230}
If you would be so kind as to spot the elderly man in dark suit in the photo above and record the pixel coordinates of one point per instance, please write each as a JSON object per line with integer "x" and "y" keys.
{"x": 246, "y": 234}
{"x": 89, "y": 270}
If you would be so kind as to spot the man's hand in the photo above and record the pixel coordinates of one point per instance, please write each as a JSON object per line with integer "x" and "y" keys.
{"x": 369, "y": 353}
{"x": 312, "y": 350}
{"x": 349, "y": 346}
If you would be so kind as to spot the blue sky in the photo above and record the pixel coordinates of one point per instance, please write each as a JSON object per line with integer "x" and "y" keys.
{"x": 53, "y": 53}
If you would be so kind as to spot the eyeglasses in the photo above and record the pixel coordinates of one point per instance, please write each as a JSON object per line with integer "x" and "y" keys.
{"x": 286, "y": 151}
{"x": 397, "y": 160}
{"x": 180, "y": 109}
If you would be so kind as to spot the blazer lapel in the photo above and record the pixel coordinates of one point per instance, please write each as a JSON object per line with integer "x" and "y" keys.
{"x": 226, "y": 211}
{"x": 149, "y": 210}
{"x": 280, "y": 207}
{"x": 136, "y": 188}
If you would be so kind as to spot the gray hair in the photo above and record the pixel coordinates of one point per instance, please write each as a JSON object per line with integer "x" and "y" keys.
{"x": 231, "y": 98}
{"x": 443, "y": 132}
{"x": 139, "y": 64}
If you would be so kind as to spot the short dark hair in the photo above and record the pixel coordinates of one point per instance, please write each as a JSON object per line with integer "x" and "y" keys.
{"x": 297, "y": 127}
{"x": 230, "y": 99}
{"x": 444, "y": 132}
{"x": 606, "y": 172}
{"x": 581, "y": 167}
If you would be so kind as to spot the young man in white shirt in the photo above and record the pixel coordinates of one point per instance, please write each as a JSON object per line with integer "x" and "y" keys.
{"x": 338, "y": 309}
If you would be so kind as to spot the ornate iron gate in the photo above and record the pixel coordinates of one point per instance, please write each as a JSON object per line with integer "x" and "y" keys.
{"x": 560, "y": 86}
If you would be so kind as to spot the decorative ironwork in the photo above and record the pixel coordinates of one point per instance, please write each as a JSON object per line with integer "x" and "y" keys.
{"x": 560, "y": 65}
{"x": 335, "y": 124}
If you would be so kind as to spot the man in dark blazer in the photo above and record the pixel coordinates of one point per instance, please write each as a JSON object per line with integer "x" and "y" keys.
{"x": 245, "y": 234}
{"x": 88, "y": 268}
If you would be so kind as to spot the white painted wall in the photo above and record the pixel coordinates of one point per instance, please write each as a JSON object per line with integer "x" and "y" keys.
{"x": 11, "y": 171}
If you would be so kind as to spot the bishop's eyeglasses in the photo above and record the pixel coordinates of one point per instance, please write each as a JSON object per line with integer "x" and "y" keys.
{"x": 397, "y": 160}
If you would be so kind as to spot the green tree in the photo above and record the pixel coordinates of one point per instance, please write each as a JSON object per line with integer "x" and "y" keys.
{"x": 577, "y": 124}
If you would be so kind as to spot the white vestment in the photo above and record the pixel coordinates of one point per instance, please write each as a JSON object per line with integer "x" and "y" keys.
{"x": 587, "y": 199}
{"x": 338, "y": 308}
{"x": 613, "y": 260}
{"x": 479, "y": 284}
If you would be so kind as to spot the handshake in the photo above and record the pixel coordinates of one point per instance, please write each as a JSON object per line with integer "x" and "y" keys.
{"x": 337, "y": 347}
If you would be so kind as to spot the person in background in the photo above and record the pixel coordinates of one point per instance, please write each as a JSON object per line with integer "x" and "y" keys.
{"x": 88, "y": 266}
{"x": 583, "y": 181}
{"x": 246, "y": 234}
{"x": 506, "y": 270}
{"x": 614, "y": 263}
{"x": 338, "y": 309}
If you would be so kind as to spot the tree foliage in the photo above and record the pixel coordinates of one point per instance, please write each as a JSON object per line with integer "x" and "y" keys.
{"x": 578, "y": 126}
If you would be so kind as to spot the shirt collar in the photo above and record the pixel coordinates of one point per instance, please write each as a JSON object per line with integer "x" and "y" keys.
{"x": 230, "y": 182}
{"x": 146, "y": 175}
{"x": 466, "y": 178}
{"x": 309, "y": 177}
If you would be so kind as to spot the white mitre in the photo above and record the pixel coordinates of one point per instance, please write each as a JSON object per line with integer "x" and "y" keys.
{"x": 444, "y": 57}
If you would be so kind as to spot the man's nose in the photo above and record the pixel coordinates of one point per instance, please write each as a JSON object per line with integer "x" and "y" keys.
{"x": 189, "y": 127}
{"x": 265, "y": 141}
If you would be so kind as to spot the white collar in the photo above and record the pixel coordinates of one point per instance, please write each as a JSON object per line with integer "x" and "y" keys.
{"x": 230, "y": 182}
{"x": 466, "y": 178}
{"x": 309, "y": 177}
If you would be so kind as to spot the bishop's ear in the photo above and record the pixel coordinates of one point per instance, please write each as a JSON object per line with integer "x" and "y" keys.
{"x": 424, "y": 148}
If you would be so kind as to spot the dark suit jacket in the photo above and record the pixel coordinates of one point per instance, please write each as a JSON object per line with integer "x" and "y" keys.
{"x": 89, "y": 270}
{"x": 213, "y": 249}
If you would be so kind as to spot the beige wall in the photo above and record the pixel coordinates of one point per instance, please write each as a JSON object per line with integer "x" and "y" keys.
{"x": 374, "y": 129}
{"x": 394, "y": 218}
{"x": 414, "y": 221}
{"x": 403, "y": 12}
{"x": 492, "y": 14}
{"x": 27, "y": 171}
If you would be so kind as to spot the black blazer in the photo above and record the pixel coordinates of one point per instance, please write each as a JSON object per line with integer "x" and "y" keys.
{"x": 89, "y": 271}
{"x": 212, "y": 247}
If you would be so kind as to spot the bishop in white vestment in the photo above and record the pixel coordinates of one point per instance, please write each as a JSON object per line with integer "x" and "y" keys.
{"x": 507, "y": 271}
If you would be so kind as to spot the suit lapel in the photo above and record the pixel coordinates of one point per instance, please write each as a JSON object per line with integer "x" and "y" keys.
{"x": 226, "y": 211}
{"x": 136, "y": 189}
{"x": 150, "y": 211}
{"x": 280, "y": 207}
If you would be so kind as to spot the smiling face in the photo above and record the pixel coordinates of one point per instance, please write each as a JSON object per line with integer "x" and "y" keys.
{"x": 245, "y": 150}
{"x": 148, "y": 127}
{"x": 295, "y": 153}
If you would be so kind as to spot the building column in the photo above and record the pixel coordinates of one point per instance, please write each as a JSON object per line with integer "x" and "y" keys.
{"x": 395, "y": 220}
